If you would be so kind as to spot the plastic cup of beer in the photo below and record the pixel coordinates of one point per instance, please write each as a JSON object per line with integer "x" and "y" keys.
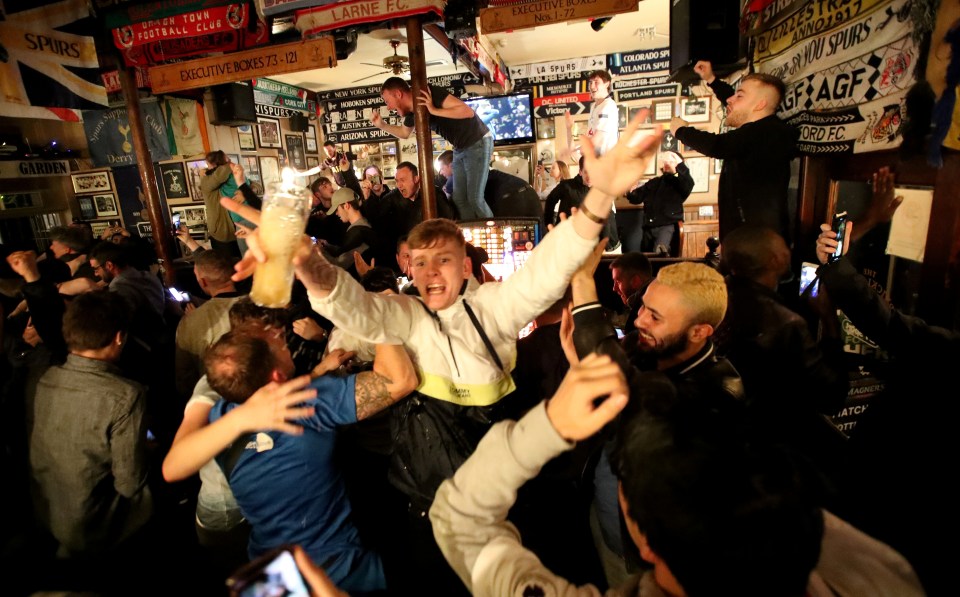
{"x": 282, "y": 223}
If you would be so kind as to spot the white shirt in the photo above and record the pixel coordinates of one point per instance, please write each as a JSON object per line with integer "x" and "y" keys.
{"x": 604, "y": 118}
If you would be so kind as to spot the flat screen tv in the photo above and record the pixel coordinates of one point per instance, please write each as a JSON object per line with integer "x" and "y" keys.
{"x": 509, "y": 117}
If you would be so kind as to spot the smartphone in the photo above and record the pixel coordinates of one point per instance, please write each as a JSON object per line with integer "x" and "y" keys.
{"x": 180, "y": 297}
{"x": 273, "y": 573}
{"x": 840, "y": 222}
{"x": 375, "y": 180}
{"x": 809, "y": 279}
{"x": 175, "y": 223}
{"x": 620, "y": 333}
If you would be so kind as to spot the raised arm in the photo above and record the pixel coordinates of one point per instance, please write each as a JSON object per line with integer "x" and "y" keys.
{"x": 470, "y": 510}
{"x": 269, "y": 408}
{"x": 451, "y": 107}
{"x": 392, "y": 378}
{"x": 397, "y": 130}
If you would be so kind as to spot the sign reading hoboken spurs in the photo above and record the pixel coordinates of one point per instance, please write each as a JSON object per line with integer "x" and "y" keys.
{"x": 853, "y": 39}
{"x": 814, "y": 18}
{"x": 250, "y": 64}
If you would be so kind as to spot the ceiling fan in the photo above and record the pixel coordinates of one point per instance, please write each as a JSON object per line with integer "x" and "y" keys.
{"x": 396, "y": 64}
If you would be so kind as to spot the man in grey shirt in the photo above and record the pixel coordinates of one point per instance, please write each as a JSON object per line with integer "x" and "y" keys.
{"x": 87, "y": 449}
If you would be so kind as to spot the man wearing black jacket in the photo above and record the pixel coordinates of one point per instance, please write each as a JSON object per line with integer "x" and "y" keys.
{"x": 567, "y": 195}
{"x": 662, "y": 198}
{"x": 756, "y": 156}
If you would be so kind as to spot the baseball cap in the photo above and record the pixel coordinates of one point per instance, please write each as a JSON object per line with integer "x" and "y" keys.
{"x": 342, "y": 196}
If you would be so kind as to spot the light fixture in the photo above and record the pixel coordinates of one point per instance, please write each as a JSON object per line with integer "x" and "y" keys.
{"x": 598, "y": 24}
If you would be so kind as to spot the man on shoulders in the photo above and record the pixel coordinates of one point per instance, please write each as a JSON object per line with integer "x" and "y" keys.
{"x": 456, "y": 122}
{"x": 756, "y": 156}
{"x": 603, "y": 125}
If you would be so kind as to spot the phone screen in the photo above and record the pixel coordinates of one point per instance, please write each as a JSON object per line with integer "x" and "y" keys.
{"x": 808, "y": 275}
{"x": 840, "y": 222}
{"x": 279, "y": 576}
{"x": 620, "y": 333}
{"x": 180, "y": 297}
{"x": 175, "y": 223}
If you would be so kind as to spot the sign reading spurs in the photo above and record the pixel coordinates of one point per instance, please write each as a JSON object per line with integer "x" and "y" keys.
{"x": 239, "y": 66}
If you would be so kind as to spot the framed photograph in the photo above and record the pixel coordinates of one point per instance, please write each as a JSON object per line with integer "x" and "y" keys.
{"x": 193, "y": 216}
{"x": 245, "y": 137}
{"x": 717, "y": 166}
{"x": 105, "y": 205}
{"x": 195, "y": 173}
{"x": 269, "y": 170}
{"x": 695, "y": 109}
{"x": 268, "y": 131}
{"x": 233, "y": 157}
{"x": 99, "y": 228}
{"x": 173, "y": 180}
{"x": 546, "y": 152}
{"x": 546, "y": 128}
{"x": 313, "y": 162}
{"x": 636, "y": 110}
{"x": 87, "y": 211}
{"x": 518, "y": 162}
{"x": 622, "y": 118}
{"x": 389, "y": 148}
{"x": 91, "y": 182}
{"x": 296, "y": 155}
{"x": 700, "y": 171}
{"x": 662, "y": 111}
{"x": 311, "y": 145}
{"x": 408, "y": 151}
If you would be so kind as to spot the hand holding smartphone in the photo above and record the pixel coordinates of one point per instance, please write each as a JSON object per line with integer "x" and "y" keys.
{"x": 273, "y": 573}
{"x": 841, "y": 226}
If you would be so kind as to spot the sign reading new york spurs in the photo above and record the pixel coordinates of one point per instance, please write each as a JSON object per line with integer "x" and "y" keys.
{"x": 239, "y": 66}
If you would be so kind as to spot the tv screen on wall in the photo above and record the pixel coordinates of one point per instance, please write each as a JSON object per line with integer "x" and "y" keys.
{"x": 509, "y": 117}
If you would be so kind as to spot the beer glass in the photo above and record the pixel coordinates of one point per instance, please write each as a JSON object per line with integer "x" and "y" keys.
{"x": 282, "y": 223}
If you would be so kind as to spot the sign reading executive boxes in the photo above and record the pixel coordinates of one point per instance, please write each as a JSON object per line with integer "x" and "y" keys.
{"x": 239, "y": 66}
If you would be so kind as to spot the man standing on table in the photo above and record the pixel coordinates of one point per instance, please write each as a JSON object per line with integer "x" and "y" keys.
{"x": 456, "y": 122}
{"x": 756, "y": 157}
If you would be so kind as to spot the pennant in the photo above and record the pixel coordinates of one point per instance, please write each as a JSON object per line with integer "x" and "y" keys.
{"x": 185, "y": 129}
{"x": 219, "y": 19}
{"x": 109, "y": 137}
{"x": 49, "y": 65}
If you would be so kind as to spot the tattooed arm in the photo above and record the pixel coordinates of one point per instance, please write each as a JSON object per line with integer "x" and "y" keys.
{"x": 392, "y": 378}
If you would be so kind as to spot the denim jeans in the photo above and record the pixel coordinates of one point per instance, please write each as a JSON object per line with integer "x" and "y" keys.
{"x": 470, "y": 168}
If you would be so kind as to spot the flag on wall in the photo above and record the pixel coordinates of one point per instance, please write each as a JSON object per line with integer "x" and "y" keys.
{"x": 186, "y": 127}
{"x": 52, "y": 62}
{"x": 109, "y": 137}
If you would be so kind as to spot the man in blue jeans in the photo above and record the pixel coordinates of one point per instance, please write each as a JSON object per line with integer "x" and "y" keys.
{"x": 456, "y": 122}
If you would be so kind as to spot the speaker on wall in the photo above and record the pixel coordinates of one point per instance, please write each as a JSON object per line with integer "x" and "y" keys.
{"x": 704, "y": 30}
{"x": 233, "y": 104}
{"x": 299, "y": 123}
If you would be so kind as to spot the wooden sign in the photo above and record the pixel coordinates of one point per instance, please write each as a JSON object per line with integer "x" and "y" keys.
{"x": 242, "y": 66}
{"x": 525, "y": 15}
{"x": 356, "y": 12}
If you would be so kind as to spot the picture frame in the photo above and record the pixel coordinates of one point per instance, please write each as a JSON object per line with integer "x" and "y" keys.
{"x": 268, "y": 133}
{"x": 233, "y": 157}
{"x": 105, "y": 205}
{"x": 91, "y": 182}
{"x": 695, "y": 109}
{"x": 251, "y": 170}
{"x": 195, "y": 173}
{"x": 245, "y": 138}
{"x": 408, "y": 151}
{"x": 98, "y": 228}
{"x": 311, "y": 145}
{"x": 546, "y": 128}
{"x": 173, "y": 180}
{"x": 193, "y": 216}
{"x": 269, "y": 170}
{"x": 296, "y": 155}
{"x": 636, "y": 110}
{"x": 651, "y": 169}
{"x": 313, "y": 162}
{"x": 662, "y": 111}
{"x": 87, "y": 211}
{"x": 700, "y": 171}
{"x": 388, "y": 148}
{"x": 516, "y": 161}
{"x": 669, "y": 142}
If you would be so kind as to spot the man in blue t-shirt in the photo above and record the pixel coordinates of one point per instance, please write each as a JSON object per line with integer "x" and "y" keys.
{"x": 274, "y": 439}
{"x": 456, "y": 122}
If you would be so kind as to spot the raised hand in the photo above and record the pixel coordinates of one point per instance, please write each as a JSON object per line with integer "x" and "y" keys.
{"x": 308, "y": 329}
{"x": 676, "y": 123}
{"x": 566, "y": 337}
{"x": 376, "y": 119}
{"x": 573, "y": 410}
{"x": 885, "y": 200}
{"x": 361, "y": 265}
{"x": 426, "y": 100}
{"x": 274, "y": 405}
{"x": 620, "y": 168}
{"x": 24, "y": 264}
{"x": 705, "y": 69}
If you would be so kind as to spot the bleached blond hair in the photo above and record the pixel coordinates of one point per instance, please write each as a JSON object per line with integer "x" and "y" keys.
{"x": 702, "y": 290}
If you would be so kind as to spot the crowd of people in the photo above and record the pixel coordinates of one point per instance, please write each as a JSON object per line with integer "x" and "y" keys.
{"x": 407, "y": 443}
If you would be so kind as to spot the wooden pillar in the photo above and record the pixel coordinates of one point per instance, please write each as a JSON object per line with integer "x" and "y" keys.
{"x": 148, "y": 180}
{"x": 421, "y": 117}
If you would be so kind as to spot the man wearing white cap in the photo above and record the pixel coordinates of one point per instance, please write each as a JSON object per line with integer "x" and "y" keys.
{"x": 359, "y": 236}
